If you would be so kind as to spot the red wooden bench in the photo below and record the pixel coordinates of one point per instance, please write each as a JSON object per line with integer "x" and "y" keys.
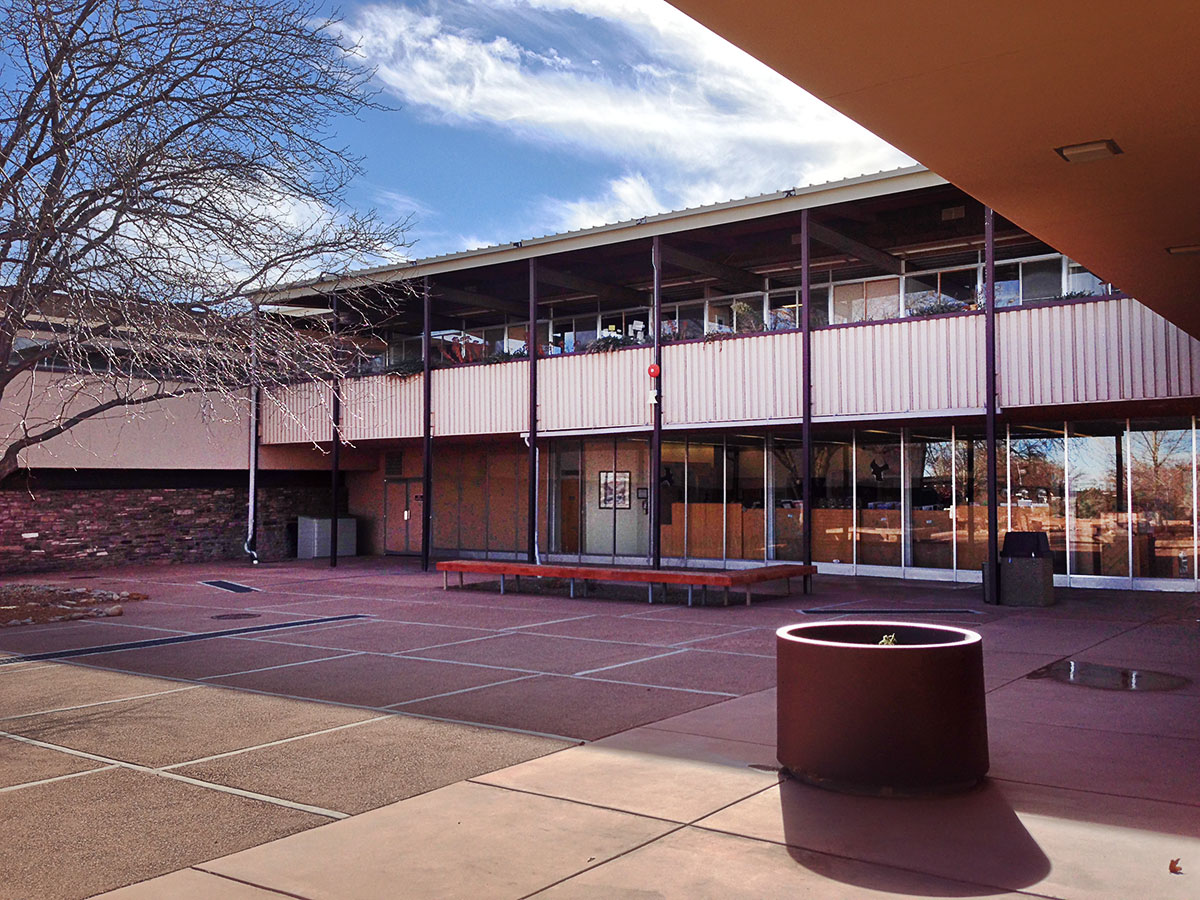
{"x": 706, "y": 578}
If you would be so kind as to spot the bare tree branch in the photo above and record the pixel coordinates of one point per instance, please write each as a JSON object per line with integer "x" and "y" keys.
{"x": 163, "y": 166}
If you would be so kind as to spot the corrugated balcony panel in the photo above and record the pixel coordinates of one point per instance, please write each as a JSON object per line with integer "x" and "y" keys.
{"x": 594, "y": 390}
{"x": 1094, "y": 352}
{"x": 481, "y": 399}
{"x": 298, "y": 413}
{"x": 382, "y": 406}
{"x": 732, "y": 380}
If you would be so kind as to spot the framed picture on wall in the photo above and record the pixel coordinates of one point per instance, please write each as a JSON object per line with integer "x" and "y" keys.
{"x": 614, "y": 490}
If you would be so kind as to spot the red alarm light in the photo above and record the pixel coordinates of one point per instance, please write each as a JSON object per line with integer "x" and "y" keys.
{"x": 654, "y": 370}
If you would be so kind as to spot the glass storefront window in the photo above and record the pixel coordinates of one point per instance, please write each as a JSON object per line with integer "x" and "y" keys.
{"x": 745, "y": 523}
{"x": 878, "y": 500}
{"x": 631, "y": 500}
{"x": 929, "y": 460}
{"x": 786, "y": 526}
{"x": 672, "y": 502}
{"x": 877, "y": 472}
{"x": 1097, "y": 502}
{"x": 598, "y": 515}
{"x": 833, "y": 500}
{"x": 1037, "y": 484}
{"x": 705, "y": 499}
{"x": 1163, "y": 502}
{"x": 970, "y": 503}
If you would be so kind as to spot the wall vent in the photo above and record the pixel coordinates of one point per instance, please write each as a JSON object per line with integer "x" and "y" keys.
{"x": 393, "y": 465}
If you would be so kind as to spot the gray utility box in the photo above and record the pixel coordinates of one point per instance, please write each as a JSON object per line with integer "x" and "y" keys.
{"x": 1026, "y": 570}
{"x": 312, "y": 537}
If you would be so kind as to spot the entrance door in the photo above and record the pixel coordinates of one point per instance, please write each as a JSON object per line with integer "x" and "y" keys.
{"x": 403, "y": 510}
{"x": 568, "y": 505}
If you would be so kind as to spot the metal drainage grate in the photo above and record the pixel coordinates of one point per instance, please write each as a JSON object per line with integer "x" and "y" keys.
{"x": 225, "y": 616}
{"x": 1108, "y": 678}
{"x": 232, "y": 586}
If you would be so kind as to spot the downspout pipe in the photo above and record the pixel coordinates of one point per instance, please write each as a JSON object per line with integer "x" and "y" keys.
{"x": 251, "y": 543}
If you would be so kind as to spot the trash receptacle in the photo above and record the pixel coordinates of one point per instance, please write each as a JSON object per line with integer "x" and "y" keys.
{"x": 1026, "y": 570}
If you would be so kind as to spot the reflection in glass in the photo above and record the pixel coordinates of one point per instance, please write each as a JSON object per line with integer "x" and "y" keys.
{"x": 633, "y": 512}
{"x": 1161, "y": 470}
{"x": 1037, "y": 503}
{"x": 929, "y": 459}
{"x": 787, "y": 513}
{"x": 1099, "y": 523}
{"x": 880, "y": 517}
{"x": 598, "y": 524}
{"x": 970, "y": 462}
{"x": 706, "y": 503}
{"x": 671, "y": 488}
{"x": 833, "y": 500}
{"x": 1008, "y": 284}
{"x": 1041, "y": 280}
{"x": 745, "y": 522}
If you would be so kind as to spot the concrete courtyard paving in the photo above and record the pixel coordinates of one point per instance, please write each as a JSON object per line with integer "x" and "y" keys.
{"x": 460, "y": 743}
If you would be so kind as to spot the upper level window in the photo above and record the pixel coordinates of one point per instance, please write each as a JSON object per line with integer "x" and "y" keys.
{"x": 1082, "y": 283}
{"x": 866, "y": 300}
{"x": 941, "y": 292}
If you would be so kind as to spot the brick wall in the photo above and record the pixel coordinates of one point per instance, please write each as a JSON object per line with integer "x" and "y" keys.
{"x": 64, "y": 528}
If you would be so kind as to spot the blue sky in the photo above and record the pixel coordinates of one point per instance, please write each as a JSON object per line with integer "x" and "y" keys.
{"x": 516, "y": 118}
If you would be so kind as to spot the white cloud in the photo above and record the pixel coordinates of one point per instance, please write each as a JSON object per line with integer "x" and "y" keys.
{"x": 687, "y": 116}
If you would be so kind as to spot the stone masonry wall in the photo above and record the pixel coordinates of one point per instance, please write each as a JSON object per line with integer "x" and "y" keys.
{"x": 70, "y": 528}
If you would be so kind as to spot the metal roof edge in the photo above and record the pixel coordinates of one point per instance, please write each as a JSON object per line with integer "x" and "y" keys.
{"x": 860, "y": 187}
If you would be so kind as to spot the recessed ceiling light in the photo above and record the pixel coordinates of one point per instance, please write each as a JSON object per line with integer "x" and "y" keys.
{"x": 1184, "y": 249}
{"x": 1089, "y": 152}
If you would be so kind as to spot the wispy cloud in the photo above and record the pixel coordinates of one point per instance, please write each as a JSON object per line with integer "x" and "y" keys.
{"x": 684, "y": 116}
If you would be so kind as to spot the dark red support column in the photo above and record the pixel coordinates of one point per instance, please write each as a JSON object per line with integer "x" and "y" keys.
{"x": 427, "y": 425}
{"x": 991, "y": 587}
{"x": 531, "y": 342}
{"x": 335, "y": 462}
{"x": 806, "y": 387}
{"x": 656, "y": 412}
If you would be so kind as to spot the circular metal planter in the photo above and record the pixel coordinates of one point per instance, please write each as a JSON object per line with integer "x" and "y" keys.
{"x": 866, "y": 717}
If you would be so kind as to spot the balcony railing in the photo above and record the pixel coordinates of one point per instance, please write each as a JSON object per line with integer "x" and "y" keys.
{"x": 1055, "y": 354}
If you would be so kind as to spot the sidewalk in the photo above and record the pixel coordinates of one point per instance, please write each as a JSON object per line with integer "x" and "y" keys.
{"x": 1091, "y": 794}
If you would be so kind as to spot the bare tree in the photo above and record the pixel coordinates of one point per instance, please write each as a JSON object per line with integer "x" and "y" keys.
{"x": 164, "y": 164}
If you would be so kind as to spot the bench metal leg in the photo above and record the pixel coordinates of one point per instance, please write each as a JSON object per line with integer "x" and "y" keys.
{"x": 807, "y": 583}
{"x": 788, "y": 584}
{"x": 689, "y": 595}
{"x": 747, "y": 595}
{"x": 518, "y": 577}
{"x": 445, "y": 581}
{"x": 460, "y": 579}
{"x": 650, "y": 592}
{"x": 502, "y": 583}
{"x": 572, "y": 582}
{"x": 726, "y": 596}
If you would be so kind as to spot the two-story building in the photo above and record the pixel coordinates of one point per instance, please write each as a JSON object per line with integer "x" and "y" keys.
{"x": 883, "y": 279}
